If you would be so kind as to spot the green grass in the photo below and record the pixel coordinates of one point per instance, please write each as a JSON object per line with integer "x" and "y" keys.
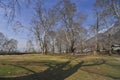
{"x": 59, "y": 67}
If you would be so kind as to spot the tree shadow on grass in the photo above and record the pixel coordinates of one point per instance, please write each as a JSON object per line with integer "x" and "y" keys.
{"x": 56, "y": 72}
{"x": 102, "y": 74}
{"x": 95, "y": 62}
{"x": 52, "y": 73}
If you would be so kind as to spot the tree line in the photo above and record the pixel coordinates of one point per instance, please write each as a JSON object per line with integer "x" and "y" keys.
{"x": 60, "y": 28}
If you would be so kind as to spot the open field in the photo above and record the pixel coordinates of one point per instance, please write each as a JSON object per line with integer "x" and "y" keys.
{"x": 59, "y": 67}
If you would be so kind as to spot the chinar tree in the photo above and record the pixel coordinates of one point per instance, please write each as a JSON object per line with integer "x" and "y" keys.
{"x": 68, "y": 16}
{"x": 44, "y": 20}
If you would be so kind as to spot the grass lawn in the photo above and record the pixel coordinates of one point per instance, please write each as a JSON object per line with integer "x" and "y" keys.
{"x": 59, "y": 67}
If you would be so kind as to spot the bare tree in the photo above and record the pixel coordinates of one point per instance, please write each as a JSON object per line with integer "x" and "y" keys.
{"x": 67, "y": 11}
{"x": 10, "y": 45}
{"x": 98, "y": 25}
{"x": 2, "y": 41}
{"x": 45, "y": 20}
{"x": 109, "y": 8}
{"x": 29, "y": 46}
{"x": 52, "y": 39}
{"x": 61, "y": 41}
{"x": 12, "y": 7}
{"x": 81, "y": 38}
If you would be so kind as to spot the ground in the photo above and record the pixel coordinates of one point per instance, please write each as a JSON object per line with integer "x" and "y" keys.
{"x": 59, "y": 67}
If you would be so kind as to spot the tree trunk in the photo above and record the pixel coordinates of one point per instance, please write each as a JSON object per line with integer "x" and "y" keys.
{"x": 60, "y": 49}
{"x": 53, "y": 47}
{"x": 81, "y": 47}
{"x": 110, "y": 44}
{"x": 96, "y": 36}
{"x": 71, "y": 48}
{"x": 44, "y": 44}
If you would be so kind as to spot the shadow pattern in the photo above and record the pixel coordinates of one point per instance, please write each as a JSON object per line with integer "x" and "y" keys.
{"x": 53, "y": 73}
{"x": 57, "y": 72}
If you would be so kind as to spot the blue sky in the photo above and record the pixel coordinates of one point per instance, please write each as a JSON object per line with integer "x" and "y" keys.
{"x": 85, "y": 6}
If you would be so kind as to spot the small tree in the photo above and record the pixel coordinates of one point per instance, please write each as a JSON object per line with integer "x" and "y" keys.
{"x": 29, "y": 46}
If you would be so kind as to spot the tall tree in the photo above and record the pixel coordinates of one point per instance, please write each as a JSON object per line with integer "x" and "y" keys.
{"x": 67, "y": 11}
{"x": 46, "y": 19}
